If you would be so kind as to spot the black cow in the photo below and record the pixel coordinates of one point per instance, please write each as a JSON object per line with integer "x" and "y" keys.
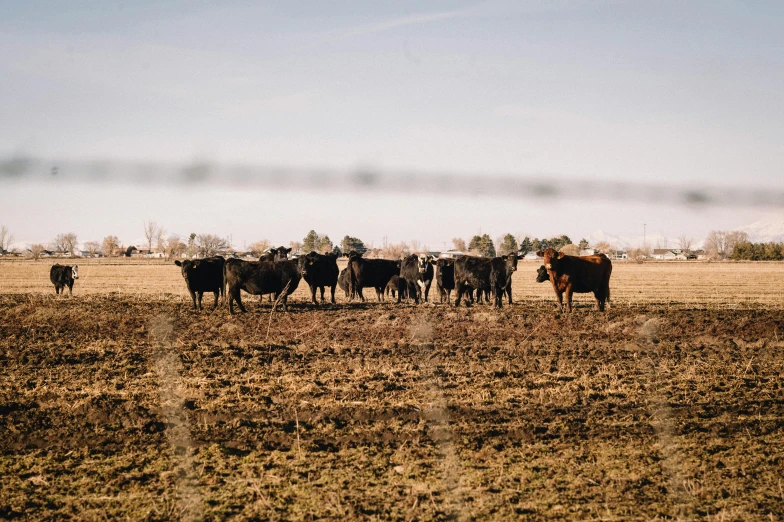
{"x": 484, "y": 275}
{"x": 319, "y": 271}
{"x": 370, "y": 273}
{"x": 260, "y": 277}
{"x": 409, "y": 276}
{"x": 203, "y": 275}
{"x": 445, "y": 277}
{"x": 542, "y": 275}
{"x": 343, "y": 281}
{"x": 62, "y": 276}
{"x": 275, "y": 254}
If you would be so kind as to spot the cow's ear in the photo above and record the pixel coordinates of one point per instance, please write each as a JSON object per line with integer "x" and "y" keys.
{"x": 520, "y": 257}
{"x": 540, "y": 254}
{"x": 560, "y": 255}
{"x": 195, "y": 264}
{"x": 505, "y": 258}
{"x": 178, "y": 263}
{"x": 287, "y": 250}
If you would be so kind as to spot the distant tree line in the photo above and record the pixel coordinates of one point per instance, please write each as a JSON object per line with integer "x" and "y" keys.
{"x": 748, "y": 251}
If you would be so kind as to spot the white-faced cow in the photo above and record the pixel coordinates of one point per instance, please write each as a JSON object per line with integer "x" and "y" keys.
{"x": 62, "y": 276}
{"x": 203, "y": 275}
{"x": 319, "y": 271}
{"x": 260, "y": 277}
{"x": 578, "y": 274}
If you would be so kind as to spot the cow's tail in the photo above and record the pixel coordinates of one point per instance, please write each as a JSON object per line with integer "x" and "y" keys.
{"x": 225, "y": 283}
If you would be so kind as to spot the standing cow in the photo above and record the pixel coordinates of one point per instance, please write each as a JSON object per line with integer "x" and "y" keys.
{"x": 426, "y": 274}
{"x": 260, "y": 277}
{"x": 409, "y": 276}
{"x": 484, "y": 275}
{"x": 445, "y": 277}
{"x": 319, "y": 271}
{"x": 578, "y": 274}
{"x": 370, "y": 273}
{"x": 203, "y": 275}
{"x": 62, "y": 276}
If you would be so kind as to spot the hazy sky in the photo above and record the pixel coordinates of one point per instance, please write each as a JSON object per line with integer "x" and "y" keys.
{"x": 665, "y": 92}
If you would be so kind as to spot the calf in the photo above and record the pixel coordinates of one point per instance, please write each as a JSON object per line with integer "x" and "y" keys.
{"x": 203, "y": 275}
{"x": 319, "y": 271}
{"x": 62, "y": 276}
{"x": 260, "y": 277}
{"x": 445, "y": 277}
{"x": 542, "y": 275}
{"x": 396, "y": 286}
{"x": 343, "y": 280}
{"x": 578, "y": 274}
{"x": 370, "y": 273}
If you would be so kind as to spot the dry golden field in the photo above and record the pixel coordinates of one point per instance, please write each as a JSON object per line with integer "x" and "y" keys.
{"x": 693, "y": 283}
{"x": 121, "y": 402}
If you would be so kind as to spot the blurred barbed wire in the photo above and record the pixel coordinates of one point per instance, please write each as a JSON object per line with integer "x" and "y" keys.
{"x": 33, "y": 169}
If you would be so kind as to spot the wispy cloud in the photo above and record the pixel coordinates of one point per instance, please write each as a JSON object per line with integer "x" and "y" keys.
{"x": 395, "y": 23}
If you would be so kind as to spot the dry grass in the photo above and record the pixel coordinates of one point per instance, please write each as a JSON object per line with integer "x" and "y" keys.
{"x": 692, "y": 283}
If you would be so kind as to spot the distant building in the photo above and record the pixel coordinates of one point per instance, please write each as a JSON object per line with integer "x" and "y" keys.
{"x": 451, "y": 254}
{"x": 531, "y": 256}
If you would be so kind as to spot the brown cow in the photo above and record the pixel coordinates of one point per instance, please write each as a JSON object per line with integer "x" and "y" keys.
{"x": 580, "y": 274}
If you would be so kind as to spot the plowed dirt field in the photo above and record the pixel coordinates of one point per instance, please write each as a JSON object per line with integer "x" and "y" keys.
{"x": 122, "y": 402}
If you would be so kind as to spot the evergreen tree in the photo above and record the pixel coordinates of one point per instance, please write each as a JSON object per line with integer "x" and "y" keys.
{"x": 583, "y": 244}
{"x": 311, "y": 242}
{"x": 508, "y": 245}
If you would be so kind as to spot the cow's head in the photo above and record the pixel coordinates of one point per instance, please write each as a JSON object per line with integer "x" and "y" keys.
{"x": 511, "y": 261}
{"x": 281, "y": 253}
{"x": 353, "y": 254}
{"x": 187, "y": 267}
{"x": 306, "y": 262}
{"x": 442, "y": 262}
{"x": 542, "y": 275}
{"x": 423, "y": 262}
{"x": 551, "y": 258}
{"x": 75, "y": 271}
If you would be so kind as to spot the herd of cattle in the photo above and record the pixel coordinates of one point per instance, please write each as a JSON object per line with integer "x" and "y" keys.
{"x": 411, "y": 277}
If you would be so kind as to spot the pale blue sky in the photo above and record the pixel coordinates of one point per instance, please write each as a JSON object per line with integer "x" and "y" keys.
{"x": 657, "y": 92}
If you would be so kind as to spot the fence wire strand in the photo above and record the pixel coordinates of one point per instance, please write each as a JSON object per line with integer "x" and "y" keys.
{"x": 381, "y": 181}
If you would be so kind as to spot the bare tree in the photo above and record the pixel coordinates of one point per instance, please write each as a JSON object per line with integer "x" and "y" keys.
{"x": 65, "y": 243}
{"x": 212, "y": 245}
{"x": 160, "y": 240}
{"x": 394, "y": 251}
{"x": 662, "y": 243}
{"x": 720, "y": 244}
{"x": 36, "y": 251}
{"x": 258, "y": 247}
{"x": 6, "y": 238}
{"x": 684, "y": 243}
{"x": 459, "y": 244}
{"x": 416, "y": 246}
{"x": 92, "y": 247}
{"x": 150, "y": 232}
{"x": 175, "y": 247}
{"x": 110, "y": 246}
{"x": 296, "y": 247}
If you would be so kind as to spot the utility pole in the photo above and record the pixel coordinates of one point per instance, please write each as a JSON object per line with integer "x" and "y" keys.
{"x": 644, "y": 236}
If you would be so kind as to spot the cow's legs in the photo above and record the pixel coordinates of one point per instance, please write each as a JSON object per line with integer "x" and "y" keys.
{"x": 313, "y": 294}
{"x": 234, "y": 295}
{"x": 332, "y": 293}
{"x": 216, "y": 293}
{"x": 427, "y": 290}
{"x": 569, "y": 298}
{"x": 380, "y": 294}
{"x": 459, "y": 291}
{"x": 201, "y": 294}
{"x": 193, "y": 298}
{"x": 70, "y": 288}
{"x": 321, "y": 289}
{"x": 508, "y": 290}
